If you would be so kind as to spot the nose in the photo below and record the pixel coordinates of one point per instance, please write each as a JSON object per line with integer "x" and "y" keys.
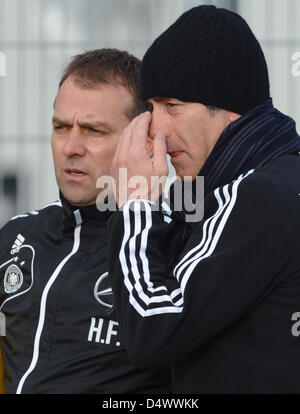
{"x": 74, "y": 145}
{"x": 159, "y": 123}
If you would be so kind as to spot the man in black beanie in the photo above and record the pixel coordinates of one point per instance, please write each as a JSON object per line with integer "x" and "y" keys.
{"x": 226, "y": 314}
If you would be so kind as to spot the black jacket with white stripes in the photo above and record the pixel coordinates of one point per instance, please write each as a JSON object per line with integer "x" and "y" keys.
{"x": 62, "y": 335}
{"x": 227, "y": 316}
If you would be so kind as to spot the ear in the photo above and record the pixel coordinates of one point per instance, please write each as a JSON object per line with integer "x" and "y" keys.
{"x": 232, "y": 116}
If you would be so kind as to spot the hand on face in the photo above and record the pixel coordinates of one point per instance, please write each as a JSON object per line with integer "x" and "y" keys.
{"x": 140, "y": 166}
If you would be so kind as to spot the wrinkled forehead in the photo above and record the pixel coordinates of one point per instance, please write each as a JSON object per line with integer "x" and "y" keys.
{"x": 102, "y": 98}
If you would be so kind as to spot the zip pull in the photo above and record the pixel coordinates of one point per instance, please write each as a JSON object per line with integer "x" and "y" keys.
{"x": 78, "y": 217}
{"x": 2, "y": 324}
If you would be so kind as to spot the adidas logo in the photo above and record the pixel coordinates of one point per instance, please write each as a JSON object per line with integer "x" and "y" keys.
{"x": 17, "y": 244}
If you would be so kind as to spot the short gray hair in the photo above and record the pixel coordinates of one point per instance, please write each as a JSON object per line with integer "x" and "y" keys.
{"x": 212, "y": 109}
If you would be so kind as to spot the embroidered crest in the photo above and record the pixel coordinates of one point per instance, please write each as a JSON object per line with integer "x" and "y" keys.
{"x": 13, "y": 279}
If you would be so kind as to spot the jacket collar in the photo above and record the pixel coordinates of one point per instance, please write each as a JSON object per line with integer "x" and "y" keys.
{"x": 86, "y": 213}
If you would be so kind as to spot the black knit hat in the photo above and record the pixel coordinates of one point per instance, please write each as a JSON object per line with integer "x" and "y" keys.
{"x": 208, "y": 55}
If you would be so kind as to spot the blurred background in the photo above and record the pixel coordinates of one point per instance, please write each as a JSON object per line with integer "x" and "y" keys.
{"x": 37, "y": 38}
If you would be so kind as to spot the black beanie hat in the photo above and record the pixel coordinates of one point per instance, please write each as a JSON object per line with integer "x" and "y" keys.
{"x": 209, "y": 55}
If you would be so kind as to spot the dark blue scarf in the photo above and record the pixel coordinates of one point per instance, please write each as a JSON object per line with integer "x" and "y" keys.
{"x": 258, "y": 136}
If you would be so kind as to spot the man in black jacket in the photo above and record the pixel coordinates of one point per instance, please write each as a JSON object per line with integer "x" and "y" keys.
{"x": 59, "y": 329}
{"x": 226, "y": 316}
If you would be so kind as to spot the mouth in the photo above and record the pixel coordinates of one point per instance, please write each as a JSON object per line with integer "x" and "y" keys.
{"x": 74, "y": 173}
{"x": 175, "y": 155}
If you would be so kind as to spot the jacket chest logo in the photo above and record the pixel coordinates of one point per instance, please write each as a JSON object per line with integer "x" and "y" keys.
{"x": 103, "y": 292}
{"x": 17, "y": 244}
{"x": 13, "y": 279}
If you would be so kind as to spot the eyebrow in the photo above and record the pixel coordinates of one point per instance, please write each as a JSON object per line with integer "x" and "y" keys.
{"x": 95, "y": 124}
{"x": 56, "y": 120}
{"x": 156, "y": 99}
{"x": 84, "y": 124}
{"x": 161, "y": 99}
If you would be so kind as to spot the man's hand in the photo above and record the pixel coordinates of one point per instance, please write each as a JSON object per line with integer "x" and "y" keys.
{"x": 140, "y": 166}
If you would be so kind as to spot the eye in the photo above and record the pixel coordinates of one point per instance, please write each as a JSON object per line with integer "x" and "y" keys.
{"x": 171, "y": 104}
{"x": 94, "y": 131}
{"x": 59, "y": 127}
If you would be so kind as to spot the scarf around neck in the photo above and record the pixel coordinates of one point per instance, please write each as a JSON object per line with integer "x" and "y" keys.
{"x": 257, "y": 137}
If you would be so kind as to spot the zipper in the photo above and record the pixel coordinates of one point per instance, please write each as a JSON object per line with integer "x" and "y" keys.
{"x": 55, "y": 274}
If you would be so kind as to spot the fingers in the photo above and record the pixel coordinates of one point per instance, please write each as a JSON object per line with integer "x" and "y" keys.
{"x": 140, "y": 135}
{"x": 134, "y": 138}
{"x": 149, "y": 146}
{"x": 160, "y": 163}
{"x": 124, "y": 142}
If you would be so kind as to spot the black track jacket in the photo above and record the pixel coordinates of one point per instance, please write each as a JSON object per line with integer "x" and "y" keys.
{"x": 227, "y": 317}
{"x": 62, "y": 335}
